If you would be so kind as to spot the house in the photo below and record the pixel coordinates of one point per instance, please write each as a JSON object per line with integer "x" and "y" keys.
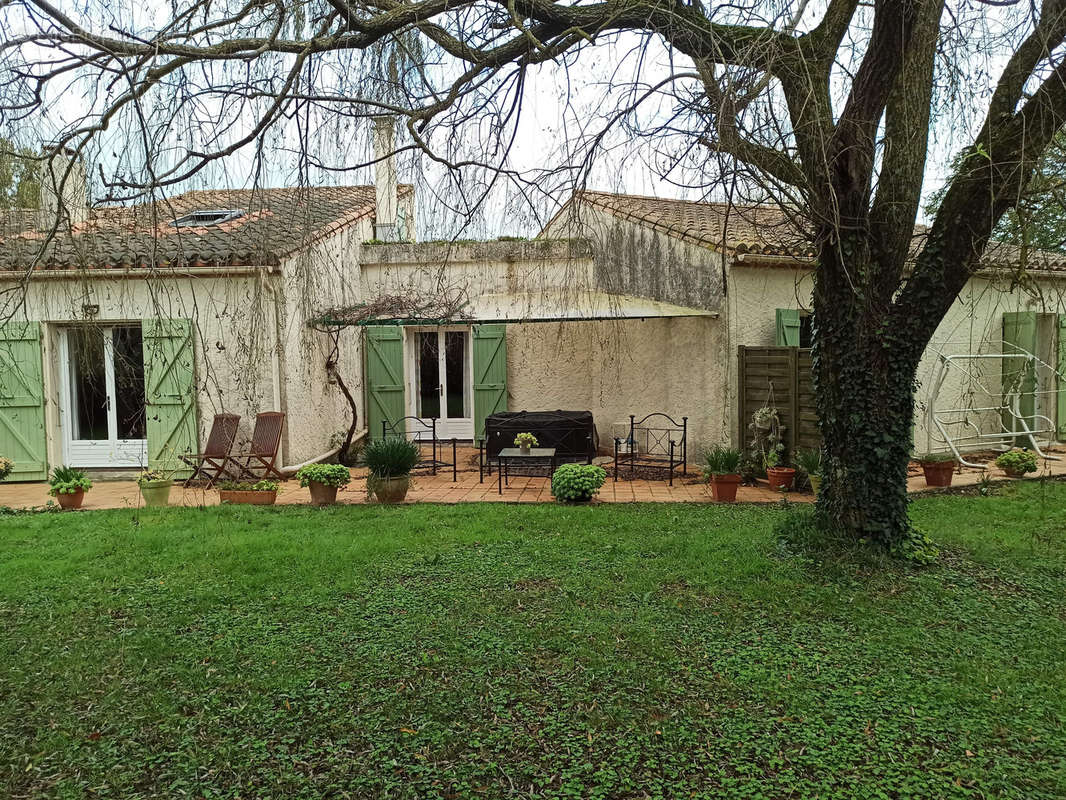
{"x": 133, "y": 325}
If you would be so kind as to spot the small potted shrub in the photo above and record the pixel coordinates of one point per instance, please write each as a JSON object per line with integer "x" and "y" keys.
{"x": 721, "y": 467}
{"x": 390, "y": 462}
{"x": 939, "y": 468}
{"x": 257, "y": 493}
{"x": 6, "y": 465}
{"x": 524, "y": 441}
{"x": 323, "y": 481}
{"x": 155, "y": 487}
{"x": 810, "y": 463}
{"x": 577, "y": 483}
{"x": 778, "y": 476}
{"x": 1017, "y": 462}
{"x": 69, "y": 486}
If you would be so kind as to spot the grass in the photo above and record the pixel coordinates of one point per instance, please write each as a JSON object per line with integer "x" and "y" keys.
{"x": 499, "y": 651}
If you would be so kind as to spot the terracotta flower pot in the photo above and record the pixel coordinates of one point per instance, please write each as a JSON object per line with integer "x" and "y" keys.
{"x": 724, "y": 487}
{"x": 780, "y": 478}
{"x": 392, "y": 490}
{"x": 816, "y": 483}
{"x": 322, "y": 495}
{"x": 156, "y": 493}
{"x": 1011, "y": 473}
{"x": 69, "y": 500}
{"x": 247, "y": 497}
{"x": 938, "y": 473}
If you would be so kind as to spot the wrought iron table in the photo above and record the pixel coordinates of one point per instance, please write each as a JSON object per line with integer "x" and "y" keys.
{"x": 534, "y": 455}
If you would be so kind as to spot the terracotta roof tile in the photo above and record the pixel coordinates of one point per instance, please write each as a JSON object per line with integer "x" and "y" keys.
{"x": 769, "y": 230}
{"x": 274, "y": 224}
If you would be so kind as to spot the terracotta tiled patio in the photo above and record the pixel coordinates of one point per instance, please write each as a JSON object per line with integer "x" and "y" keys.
{"x": 468, "y": 489}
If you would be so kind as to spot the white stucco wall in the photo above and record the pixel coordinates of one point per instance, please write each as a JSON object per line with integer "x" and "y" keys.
{"x": 324, "y": 276}
{"x": 618, "y": 368}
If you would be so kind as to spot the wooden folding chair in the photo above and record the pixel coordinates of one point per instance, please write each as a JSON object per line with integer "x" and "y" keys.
{"x": 261, "y": 459}
{"x": 211, "y": 464}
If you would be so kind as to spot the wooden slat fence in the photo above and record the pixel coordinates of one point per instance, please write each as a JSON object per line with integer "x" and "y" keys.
{"x": 779, "y": 377}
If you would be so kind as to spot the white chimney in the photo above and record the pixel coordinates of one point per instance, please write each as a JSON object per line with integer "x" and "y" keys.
{"x": 385, "y": 227}
{"x": 64, "y": 191}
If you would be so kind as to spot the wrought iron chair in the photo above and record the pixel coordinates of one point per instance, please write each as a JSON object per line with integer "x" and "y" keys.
{"x": 211, "y": 463}
{"x": 260, "y": 460}
{"x": 656, "y": 442}
{"x": 424, "y": 433}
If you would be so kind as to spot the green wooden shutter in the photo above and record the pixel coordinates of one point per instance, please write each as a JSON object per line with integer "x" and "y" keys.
{"x": 1061, "y": 413}
{"x": 1019, "y": 333}
{"x": 384, "y": 377}
{"x": 788, "y": 327}
{"x": 490, "y": 373}
{"x": 169, "y": 392}
{"x": 22, "y": 434}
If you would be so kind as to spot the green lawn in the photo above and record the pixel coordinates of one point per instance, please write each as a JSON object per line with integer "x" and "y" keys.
{"x": 516, "y": 651}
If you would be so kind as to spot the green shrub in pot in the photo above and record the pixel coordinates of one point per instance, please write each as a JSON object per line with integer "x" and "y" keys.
{"x": 68, "y": 486}
{"x": 577, "y": 483}
{"x": 1016, "y": 463}
{"x": 389, "y": 462}
{"x": 721, "y": 468}
{"x": 809, "y": 462}
{"x": 155, "y": 486}
{"x": 323, "y": 481}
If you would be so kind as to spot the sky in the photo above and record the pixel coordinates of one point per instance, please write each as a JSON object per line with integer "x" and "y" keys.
{"x": 562, "y": 104}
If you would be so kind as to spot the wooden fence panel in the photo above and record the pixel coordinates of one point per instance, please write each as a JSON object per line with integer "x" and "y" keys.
{"x": 779, "y": 377}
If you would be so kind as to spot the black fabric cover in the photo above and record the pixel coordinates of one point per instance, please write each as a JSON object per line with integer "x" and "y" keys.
{"x": 571, "y": 433}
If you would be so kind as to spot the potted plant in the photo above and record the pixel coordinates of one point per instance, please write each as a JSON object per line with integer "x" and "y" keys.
{"x": 721, "y": 467}
{"x": 524, "y": 441}
{"x": 939, "y": 468}
{"x": 390, "y": 462}
{"x": 810, "y": 462}
{"x": 768, "y": 444}
{"x": 323, "y": 481}
{"x": 577, "y": 483}
{"x": 6, "y": 465}
{"x": 258, "y": 493}
{"x": 68, "y": 486}
{"x": 778, "y": 476}
{"x": 155, "y": 487}
{"x": 1017, "y": 462}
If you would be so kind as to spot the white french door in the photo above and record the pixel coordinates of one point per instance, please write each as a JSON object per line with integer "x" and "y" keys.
{"x": 440, "y": 379}
{"x": 102, "y": 407}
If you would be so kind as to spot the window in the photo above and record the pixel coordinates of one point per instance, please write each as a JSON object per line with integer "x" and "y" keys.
{"x": 793, "y": 328}
{"x": 207, "y": 216}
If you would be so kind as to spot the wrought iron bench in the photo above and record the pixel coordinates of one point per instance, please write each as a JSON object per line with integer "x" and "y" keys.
{"x": 657, "y": 442}
{"x": 433, "y": 450}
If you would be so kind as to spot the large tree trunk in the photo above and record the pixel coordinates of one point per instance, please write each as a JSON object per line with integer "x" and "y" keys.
{"x": 864, "y": 376}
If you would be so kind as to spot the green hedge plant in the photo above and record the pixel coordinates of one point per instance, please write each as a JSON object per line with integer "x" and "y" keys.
{"x": 67, "y": 480}
{"x": 326, "y": 474}
{"x": 577, "y": 482}
{"x": 1017, "y": 462}
{"x": 248, "y": 486}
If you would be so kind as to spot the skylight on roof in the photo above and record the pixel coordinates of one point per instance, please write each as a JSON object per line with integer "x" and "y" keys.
{"x": 207, "y": 216}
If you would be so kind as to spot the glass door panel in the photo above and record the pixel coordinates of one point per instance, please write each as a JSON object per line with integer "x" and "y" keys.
{"x": 129, "y": 382}
{"x": 455, "y": 374}
{"x": 427, "y": 351}
{"x": 88, "y": 385}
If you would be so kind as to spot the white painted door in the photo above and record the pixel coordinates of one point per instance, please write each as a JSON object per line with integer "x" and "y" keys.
{"x": 440, "y": 377}
{"x": 102, "y": 410}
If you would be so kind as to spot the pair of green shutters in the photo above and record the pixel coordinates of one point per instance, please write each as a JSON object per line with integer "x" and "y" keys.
{"x": 1021, "y": 331}
{"x": 385, "y": 375}
{"x": 170, "y": 396}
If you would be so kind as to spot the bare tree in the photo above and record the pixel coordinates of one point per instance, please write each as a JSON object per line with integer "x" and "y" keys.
{"x": 827, "y": 105}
